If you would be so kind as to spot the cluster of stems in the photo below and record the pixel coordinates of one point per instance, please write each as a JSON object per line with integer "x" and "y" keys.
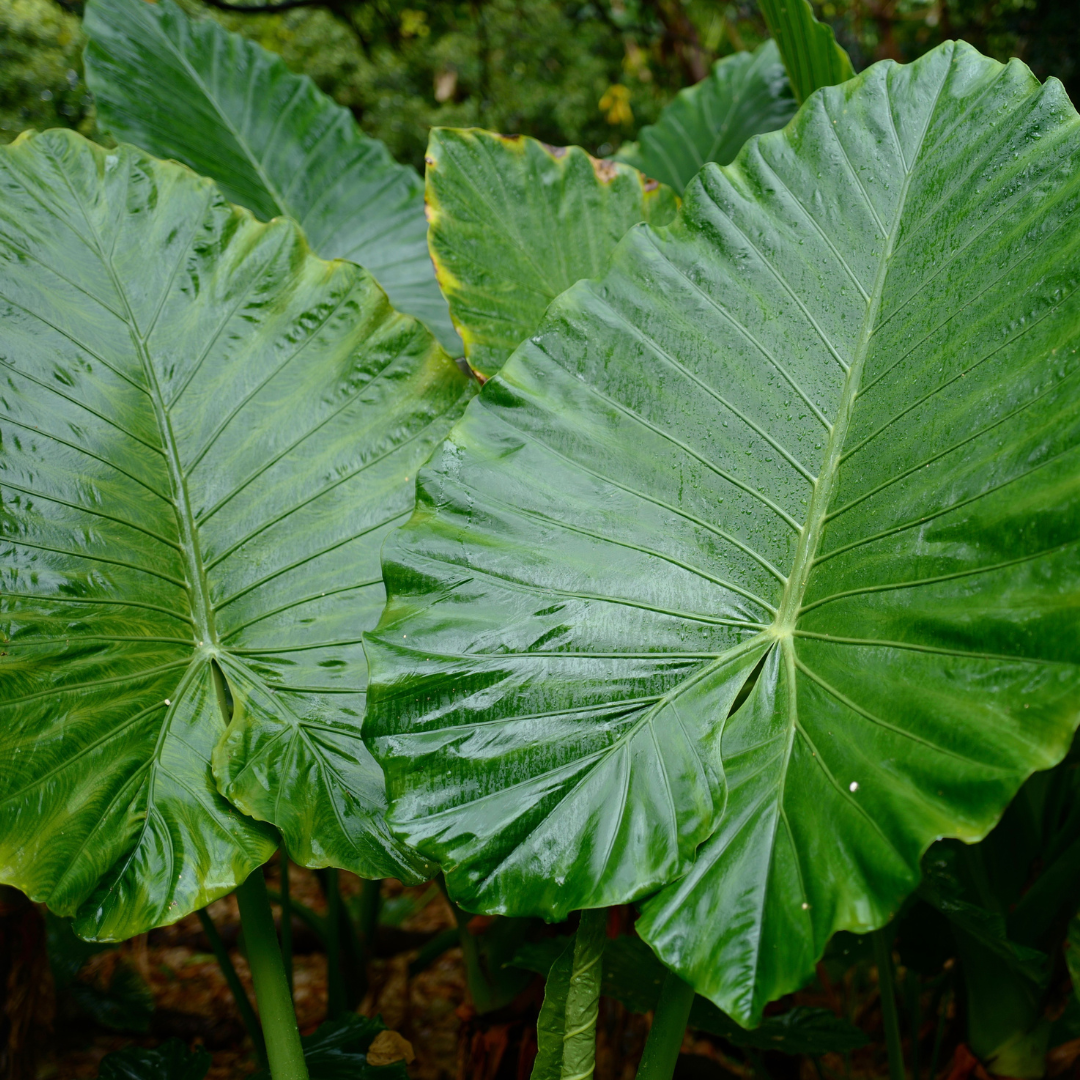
{"x": 275, "y": 1036}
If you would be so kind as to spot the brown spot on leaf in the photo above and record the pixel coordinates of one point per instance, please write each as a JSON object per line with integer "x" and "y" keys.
{"x": 555, "y": 151}
{"x": 651, "y": 184}
{"x": 605, "y": 170}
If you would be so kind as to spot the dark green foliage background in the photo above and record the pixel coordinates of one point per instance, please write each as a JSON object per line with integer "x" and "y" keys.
{"x": 536, "y": 67}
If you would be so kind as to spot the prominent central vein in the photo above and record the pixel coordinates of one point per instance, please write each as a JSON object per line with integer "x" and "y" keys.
{"x": 824, "y": 486}
{"x": 202, "y": 611}
{"x": 226, "y": 121}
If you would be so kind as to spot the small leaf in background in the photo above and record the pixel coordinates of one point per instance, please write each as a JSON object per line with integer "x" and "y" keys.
{"x": 942, "y": 888}
{"x": 566, "y": 1028}
{"x": 812, "y": 56}
{"x": 1066, "y": 1028}
{"x": 68, "y": 953}
{"x": 172, "y": 1060}
{"x": 339, "y": 1050}
{"x": 488, "y": 951}
{"x": 191, "y": 90}
{"x": 115, "y": 996}
{"x": 634, "y": 975}
{"x": 752, "y": 572}
{"x": 1072, "y": 953}
{"x": 207, "y": 433}
{"x": 745, "y": 94}
{"x": 514, "y": 222}
{"x": 124, "y": 1002}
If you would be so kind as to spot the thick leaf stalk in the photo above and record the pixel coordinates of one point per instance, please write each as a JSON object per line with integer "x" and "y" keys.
{"x": 566, "y": 1027}
{"x": 236, "y": 987}
{"x": 668, "y": 1027}
{"x": 890, "y": 1014}
{"x": 812, "y": 56}
{"x": 285, "y": 899}
{"x": 283, "y": 1048}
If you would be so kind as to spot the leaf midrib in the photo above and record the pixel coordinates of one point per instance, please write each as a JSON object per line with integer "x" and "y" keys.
{"x": 821, "y": 497}
{"x": 256, "y": 164}
{"x": 810, "y": 537}
{"x": 197, "y": 586}
{"x": 736, "y": 99}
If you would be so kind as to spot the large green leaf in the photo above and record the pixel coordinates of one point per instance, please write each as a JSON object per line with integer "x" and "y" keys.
{"x": 513, "y": 223}
{"x": 745, "y": 94}
{"x": 193, "y": 91}
{"x": 756, "y": 567}
{"x": 811, "y": 54}
{"x": 206, "y": 433}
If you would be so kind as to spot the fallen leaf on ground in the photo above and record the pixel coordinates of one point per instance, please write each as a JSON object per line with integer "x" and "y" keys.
{"x": 388, "y": 1047}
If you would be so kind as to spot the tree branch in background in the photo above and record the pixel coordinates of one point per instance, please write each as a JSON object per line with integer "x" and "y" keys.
{"x": 264, "y": 9}
{"x": 681, "y": 32}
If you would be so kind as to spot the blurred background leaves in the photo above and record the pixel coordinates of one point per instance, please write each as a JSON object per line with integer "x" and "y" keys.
{"x": 564, "y": 71}
{"x": 41, "y": 84}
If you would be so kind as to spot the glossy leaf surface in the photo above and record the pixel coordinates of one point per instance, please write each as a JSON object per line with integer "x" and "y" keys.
{"x": 812, "y": 56}
{"x": 191, "y": 90}
{"x": 513, "y": 223}
{"x": 206, "y": 433}
{"x": 745, "y": 94}
{"x": 566, "y": 1027}
{"x": 755, "y": 570}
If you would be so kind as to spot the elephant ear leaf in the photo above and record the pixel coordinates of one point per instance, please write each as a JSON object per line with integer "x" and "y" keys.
{"x": 514, "y": 222}
{"x": 755, "y": 569}
{"x": 191, "y": 90}
{"x": 812, "y": 56}
{"x": 745, "y": 94}
{"x": 206, "y": 433}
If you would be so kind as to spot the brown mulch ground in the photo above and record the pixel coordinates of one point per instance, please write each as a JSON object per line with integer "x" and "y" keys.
{"x": 193, "y": 1002}
{"x": 431, "y": 1009}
